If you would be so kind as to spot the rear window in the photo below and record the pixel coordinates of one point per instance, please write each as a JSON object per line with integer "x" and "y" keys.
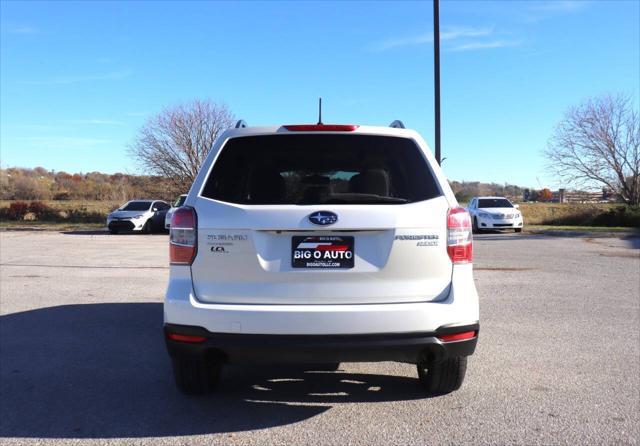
{"x": 494, "y": 203}
{"x": 320, "y": 169}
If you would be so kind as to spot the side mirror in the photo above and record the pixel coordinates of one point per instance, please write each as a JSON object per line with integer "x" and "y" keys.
{"x": 517, "y": 206}
{"x": 154, "y": 209}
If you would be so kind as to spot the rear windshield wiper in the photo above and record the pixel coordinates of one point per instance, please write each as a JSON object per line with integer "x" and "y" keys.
{"x": 380, "y": 200}
{"x": 365, "y": 199}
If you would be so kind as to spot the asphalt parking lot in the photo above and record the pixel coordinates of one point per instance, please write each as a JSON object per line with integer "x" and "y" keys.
{"x": 82, "y": 356}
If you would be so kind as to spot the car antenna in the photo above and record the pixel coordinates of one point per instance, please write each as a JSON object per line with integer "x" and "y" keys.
{"x": 320, "y": 111}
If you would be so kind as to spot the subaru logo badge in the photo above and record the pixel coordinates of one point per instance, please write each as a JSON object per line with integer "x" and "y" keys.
{"x": 323, "y": 218}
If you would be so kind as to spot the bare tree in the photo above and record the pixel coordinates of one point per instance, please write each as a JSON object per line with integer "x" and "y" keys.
{"x": 174, "y": 143}
{"x": 598, "y": 144}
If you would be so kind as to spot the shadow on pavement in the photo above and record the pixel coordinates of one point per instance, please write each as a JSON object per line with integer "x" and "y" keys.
{"x": 105, "y": 232}
{"x": 101, "y": 371}
{"x": 85, "y": 266}
{"x": 508, "y": 236}
{"x": 86, "y": 232}
{"x": 632, "y": 241}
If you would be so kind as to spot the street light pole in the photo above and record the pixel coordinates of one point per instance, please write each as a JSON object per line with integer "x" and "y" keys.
{"x": 436, "y": 73}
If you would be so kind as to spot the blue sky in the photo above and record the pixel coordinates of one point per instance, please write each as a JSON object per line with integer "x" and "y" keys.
{"x": 79, "y": 79}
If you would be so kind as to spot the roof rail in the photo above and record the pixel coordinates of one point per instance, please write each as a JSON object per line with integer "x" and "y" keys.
{"x": 397, "y": 124}
{"x": 241, "y": 124}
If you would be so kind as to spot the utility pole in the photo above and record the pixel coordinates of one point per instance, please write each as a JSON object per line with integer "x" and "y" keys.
{"x": 436, "y": 73}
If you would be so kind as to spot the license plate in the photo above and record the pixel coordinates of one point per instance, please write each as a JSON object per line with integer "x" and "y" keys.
{"x": 322, "y": 252}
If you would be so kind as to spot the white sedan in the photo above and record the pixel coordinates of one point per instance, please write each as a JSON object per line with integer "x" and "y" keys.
{"x": 494, "y": 213}
{"x": 179, "y": 202}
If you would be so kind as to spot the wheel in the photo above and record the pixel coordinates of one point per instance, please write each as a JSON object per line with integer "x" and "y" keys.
{"x": 113, "y": 231}
{"x": 147, "y": 228}
{"x": 518, "y": 229}
{"x": 443, "y": 376}
{"x": 474, "y": 226}
{"x": 196, "y": 376}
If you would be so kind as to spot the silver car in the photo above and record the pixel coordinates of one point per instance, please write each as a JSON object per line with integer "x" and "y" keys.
{"x": 138, "y": 215}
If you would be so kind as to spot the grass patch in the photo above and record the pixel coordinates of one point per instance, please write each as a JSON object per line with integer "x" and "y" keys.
{"x": 56, "y": 211}
{"x": 581, "y": 214}
{"x": 49, "y": 226}
{"x": 576, "y": 214}
{"x": 103, "y": 207}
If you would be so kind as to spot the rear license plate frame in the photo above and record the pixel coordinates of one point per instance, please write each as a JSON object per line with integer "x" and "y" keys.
{"x": 322, "y": 252}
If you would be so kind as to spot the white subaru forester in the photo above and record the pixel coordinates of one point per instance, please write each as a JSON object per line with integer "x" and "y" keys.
{"x": 320, "y": 244}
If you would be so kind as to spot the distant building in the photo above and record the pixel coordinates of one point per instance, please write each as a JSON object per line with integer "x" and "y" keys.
{"x": 565, "y": 196}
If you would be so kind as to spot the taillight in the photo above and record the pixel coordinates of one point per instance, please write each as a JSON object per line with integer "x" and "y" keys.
{"x": 183, "y": 240}
{"x": 186, "y": 338}
{"x": 321, "y": 127}
{"x": 457, "y": 336}
{"x": 459, "y": 235}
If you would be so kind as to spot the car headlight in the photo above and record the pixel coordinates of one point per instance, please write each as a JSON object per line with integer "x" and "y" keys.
{"x": 138, "y": 216}
{"x": 484, "y": 215}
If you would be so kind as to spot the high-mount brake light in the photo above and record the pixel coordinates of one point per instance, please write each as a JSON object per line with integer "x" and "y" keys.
{"x": 321, "y": 127}
{"x": 459, "y": 236}
{"x": 183, "y": 239}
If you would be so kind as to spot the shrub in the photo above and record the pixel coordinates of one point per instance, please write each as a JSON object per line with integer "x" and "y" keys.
{"x": 40, "y": 210}
{"x": 632, "y": 216}
{"x": 81, "y": 215}
{"x": 17, "y": 210}
{"x": 619, "y": 216}
{"x": 463, "y": 196}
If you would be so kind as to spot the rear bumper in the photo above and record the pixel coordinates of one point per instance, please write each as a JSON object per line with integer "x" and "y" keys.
{"x": 460, "y": 307}
{"x": 255, "y": 348}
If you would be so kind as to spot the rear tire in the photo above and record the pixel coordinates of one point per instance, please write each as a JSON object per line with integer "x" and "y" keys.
{"x": 113, "y": 231}
{"x": 326, "y": 367}
{"x": 443, "y": 377}
{"x": 196, "y": 376}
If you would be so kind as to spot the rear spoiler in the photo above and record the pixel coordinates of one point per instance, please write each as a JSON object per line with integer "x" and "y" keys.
{"x": 397, "y": 124}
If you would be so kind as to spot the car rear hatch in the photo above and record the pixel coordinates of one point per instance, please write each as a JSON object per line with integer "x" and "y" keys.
{"x": 321, "y": 219}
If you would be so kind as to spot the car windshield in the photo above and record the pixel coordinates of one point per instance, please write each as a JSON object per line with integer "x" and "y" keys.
{"x": 494, "y": 203}
{"x": 318, "y": 169}
{"x": 136, "y": 206}
{"x": 180, "y": 201}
